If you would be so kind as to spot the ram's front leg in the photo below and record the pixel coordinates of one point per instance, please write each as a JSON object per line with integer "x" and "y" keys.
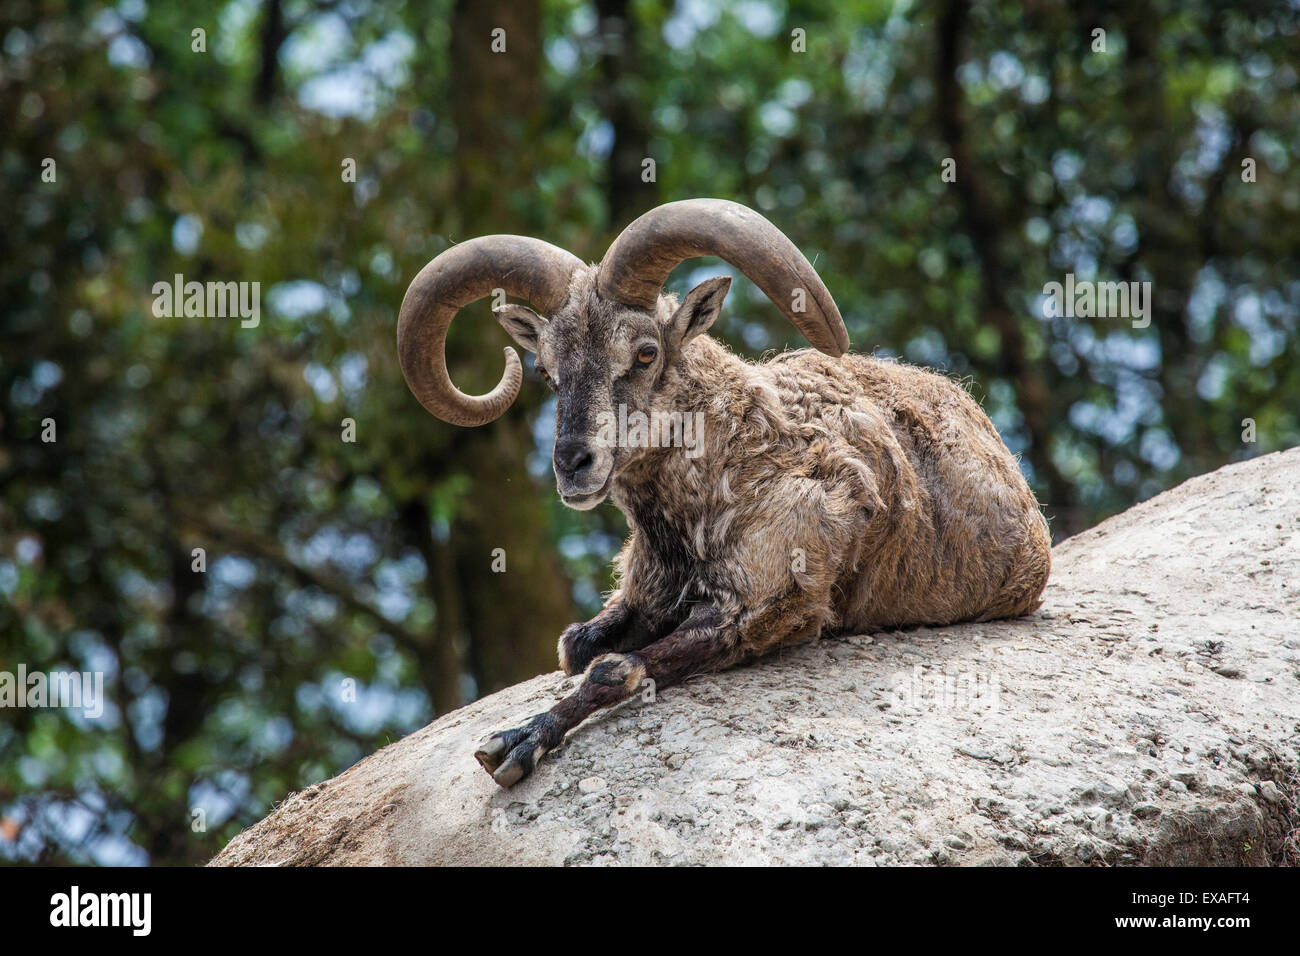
{"x": 619, "y": 626}
{"x": 703, "y": 642}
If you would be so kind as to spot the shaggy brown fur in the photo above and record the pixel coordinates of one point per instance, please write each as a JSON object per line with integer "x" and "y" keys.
{"x": 830, "y": 495}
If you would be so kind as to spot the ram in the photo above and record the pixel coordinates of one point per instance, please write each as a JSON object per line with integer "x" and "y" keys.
{"x": 827, "y": 492}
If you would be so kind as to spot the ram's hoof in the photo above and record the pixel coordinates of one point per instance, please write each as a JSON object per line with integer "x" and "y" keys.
{"x": 511, "y": 755}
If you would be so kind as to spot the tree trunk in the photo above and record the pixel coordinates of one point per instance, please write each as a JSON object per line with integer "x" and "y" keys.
{"x": 511, "y": 619}
{"x": 627, "y": 193}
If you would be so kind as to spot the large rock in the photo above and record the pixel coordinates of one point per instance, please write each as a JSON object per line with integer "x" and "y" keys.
{"x": 1149, "y": 713}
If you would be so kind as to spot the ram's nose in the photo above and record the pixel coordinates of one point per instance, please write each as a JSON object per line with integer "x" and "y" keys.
{"x": 573, "y": 460}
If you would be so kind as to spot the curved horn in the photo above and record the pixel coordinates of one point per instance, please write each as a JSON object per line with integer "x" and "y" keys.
{"x": 637, "y": 264}
{"x": 525, "y": 268}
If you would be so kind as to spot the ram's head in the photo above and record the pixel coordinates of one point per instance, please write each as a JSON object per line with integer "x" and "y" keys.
{"x": 605, "y": 336}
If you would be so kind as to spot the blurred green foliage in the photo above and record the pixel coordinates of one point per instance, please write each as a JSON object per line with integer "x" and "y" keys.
{"x": 370, "y": 561}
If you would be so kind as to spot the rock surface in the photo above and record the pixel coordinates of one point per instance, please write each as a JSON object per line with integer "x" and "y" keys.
{"x": 1149, "y": 713}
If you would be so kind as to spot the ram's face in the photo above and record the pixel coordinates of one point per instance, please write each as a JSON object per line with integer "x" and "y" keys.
{"x": 606, "y": 362}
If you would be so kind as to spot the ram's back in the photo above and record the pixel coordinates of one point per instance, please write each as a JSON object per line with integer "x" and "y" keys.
{"x": 959, "y": 535}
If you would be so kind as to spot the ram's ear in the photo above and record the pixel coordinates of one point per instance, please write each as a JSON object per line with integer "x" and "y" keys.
{"x": 523, "y": 324}
{"x": 699, "y": 309}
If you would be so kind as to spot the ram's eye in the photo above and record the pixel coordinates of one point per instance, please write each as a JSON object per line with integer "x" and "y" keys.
{"x": 546, "y": 376}
{"x": 646, "y": 355}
